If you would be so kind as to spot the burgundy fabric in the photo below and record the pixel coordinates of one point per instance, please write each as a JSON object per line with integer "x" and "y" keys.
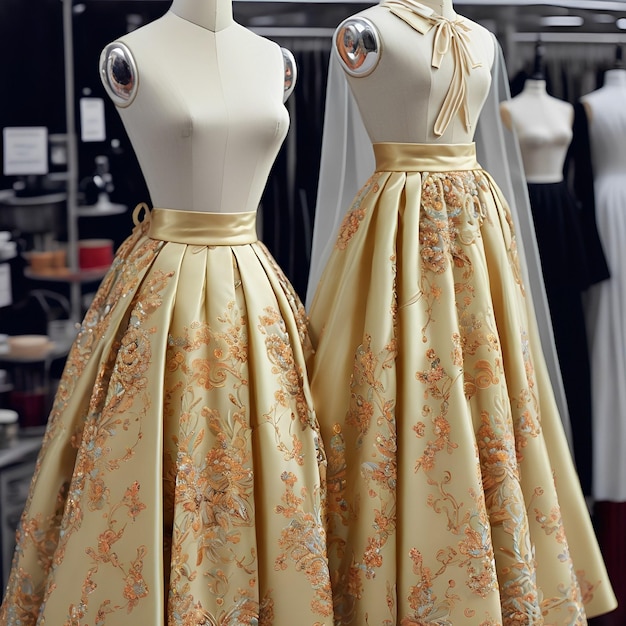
{"x": 610, "y": 522}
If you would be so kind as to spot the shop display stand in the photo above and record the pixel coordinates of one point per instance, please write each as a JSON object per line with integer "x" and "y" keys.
{"x": 72, "y": 161}
{"x": 73, "y": 275}
{"x": 17, "y": 464}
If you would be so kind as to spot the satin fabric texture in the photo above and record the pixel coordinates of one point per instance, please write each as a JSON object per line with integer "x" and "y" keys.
{"x": 452, "y": 497}
{"x": 181, "y": 476}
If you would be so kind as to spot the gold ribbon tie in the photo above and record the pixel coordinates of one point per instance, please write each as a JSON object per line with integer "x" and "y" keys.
{"x": 450, "y": 36}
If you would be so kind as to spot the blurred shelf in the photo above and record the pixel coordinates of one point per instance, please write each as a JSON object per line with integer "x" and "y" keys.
{"x": 23, "y": 448}
{"x": 67, "y": 276}
{"x": 8, "y": 197}
{"x": 100, "y": 210}
{"x": 51, "y": 352}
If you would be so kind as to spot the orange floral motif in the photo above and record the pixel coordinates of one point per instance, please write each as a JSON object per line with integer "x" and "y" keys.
{"x": 297, "y": 308}
{"x": 304, "y": 544}
{"x": 484, "y": 378}
{"x": 51, "y": 536}
{"x": 353, "y": 218}
{"x": 443, "y": 199}
{"x": 291, "y": 378}
{"x": 145, "y": 390}
{"x": 93, "y": 453}
{"x": 215, "y": 489}
{"x": 368, "y": 403}
{"x": 459, "y": 404}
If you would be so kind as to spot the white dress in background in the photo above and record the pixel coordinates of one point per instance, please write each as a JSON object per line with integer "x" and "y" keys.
{"x": 606, "y": 312}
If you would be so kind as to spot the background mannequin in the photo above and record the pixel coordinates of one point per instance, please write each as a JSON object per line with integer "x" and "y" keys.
{"x": 421, "y": 290}
{"x": 181, "y": 476}
{"x": 543, "y": 126}
{"x": 544, "y": 130}
{"x": 601, "y": 182}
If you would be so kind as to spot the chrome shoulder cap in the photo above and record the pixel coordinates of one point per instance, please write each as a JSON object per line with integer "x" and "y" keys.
{"x": 358, "y": 44}
{"x": 291, "y": 72}
{"x": 118, "y": 73}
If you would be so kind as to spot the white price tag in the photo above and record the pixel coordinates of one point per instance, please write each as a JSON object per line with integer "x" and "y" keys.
{"x": 92, "y": 126}
{"x": 25, "y": 150}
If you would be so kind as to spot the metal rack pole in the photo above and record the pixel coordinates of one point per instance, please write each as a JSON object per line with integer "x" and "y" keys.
{"x": 72, "y": 159}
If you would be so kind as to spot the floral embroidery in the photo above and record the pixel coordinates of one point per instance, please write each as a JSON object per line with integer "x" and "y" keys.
{"x": 215, "y": 489}
{"x": 96, "y": 459}
{"x": 353, "y": 218}
{"x": 303, "y": 541}
{"x": 299, "y": 312}
{"x": 48, "y": 536}
{"x": 442, "y": 383}
{"x": 223, "y": 405}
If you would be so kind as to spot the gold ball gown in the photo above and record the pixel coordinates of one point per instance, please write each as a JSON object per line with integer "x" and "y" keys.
{"x": 181, "y": 479}
{"x": 452, "y": 497}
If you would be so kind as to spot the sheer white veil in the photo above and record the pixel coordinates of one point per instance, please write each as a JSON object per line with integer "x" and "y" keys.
{"x": 347, "y": 161}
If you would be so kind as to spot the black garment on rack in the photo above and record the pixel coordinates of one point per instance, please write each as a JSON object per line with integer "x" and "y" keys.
{"x": 567, "y": 273}
{"x": 579, "y": 161}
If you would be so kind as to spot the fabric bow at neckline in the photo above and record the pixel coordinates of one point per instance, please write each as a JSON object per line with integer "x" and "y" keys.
{"x": 450, "y": 36}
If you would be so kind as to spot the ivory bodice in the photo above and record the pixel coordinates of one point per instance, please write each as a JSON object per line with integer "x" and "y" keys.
{"x": 543, "y": 125}
{"x": 206, "y": 116}
{"x": 401, "y": 98}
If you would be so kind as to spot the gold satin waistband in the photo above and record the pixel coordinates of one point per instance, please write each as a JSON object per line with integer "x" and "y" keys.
{"x": 425, "y": 157}
{"x": 203, "y": 229}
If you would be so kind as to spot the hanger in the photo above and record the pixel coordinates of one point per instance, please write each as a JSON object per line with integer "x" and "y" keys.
{"x": 619, "y": 58}
{"x": 538, "y": 64}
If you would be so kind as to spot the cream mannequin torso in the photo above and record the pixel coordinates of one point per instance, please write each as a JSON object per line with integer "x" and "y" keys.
{"x": 614, "y": 85}
{"x": 205, "y": 108}
{"x": 544, "y": 129}
{"x": 606, "y": 115}
{"x": 400, "y": 99}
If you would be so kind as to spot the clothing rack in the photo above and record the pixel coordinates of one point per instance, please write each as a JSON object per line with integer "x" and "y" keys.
{"x": 288, "y": 33}
{"x": 72, "y": 159}
{"x": 596, "y": 5}
{"x": 571, "y": 37}
{"x": 573, "y": 64}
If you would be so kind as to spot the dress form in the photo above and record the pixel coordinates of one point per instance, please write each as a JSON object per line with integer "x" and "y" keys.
{"x": 544, "y": 128}
{"x": 410, "y": 73}
{"x": 444, "y": 8}
{"x": 605, "y": 307}
{"x": 614, "y": 83}
{"x": 382, "y": 325}
{"x": 213, "y": 92}
{"x": 606, "y": 122}
{"x": 182, "y": 475}
{"x": 213, "y": 15}
{"x": 615, "y": 78}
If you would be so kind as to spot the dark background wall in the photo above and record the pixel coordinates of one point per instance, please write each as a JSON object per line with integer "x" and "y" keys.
{"x": 31, "y": 45}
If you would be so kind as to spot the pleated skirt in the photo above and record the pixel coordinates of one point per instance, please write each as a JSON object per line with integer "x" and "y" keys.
{"x": 181, "y": 480}
{"x": 452, "y": 497}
